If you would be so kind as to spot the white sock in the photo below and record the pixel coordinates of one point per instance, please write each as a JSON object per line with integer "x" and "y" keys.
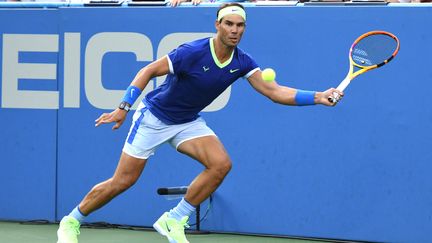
{"x": 182, "y": 209}
{"x": 77, "y": 214}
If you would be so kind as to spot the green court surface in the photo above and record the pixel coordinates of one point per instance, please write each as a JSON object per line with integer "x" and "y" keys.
{"x": 13, "y": 232}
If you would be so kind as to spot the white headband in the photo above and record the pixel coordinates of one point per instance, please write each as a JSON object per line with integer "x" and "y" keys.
{"x": 231, "y": 10}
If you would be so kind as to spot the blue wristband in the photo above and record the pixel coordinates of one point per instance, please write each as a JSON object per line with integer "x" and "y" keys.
{"x": 131, "y": 95}
{"x": 304, "y": 97}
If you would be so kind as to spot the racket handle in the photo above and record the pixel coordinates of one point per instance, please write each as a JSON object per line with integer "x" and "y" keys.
{"x": 335, "y": 97}
{"x": 342, "y": 86}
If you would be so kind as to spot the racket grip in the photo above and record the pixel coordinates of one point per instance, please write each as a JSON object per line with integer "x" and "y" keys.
{"x": 334, "y": 98}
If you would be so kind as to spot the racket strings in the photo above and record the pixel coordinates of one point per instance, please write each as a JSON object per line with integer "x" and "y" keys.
{"x": 373, "y": 49}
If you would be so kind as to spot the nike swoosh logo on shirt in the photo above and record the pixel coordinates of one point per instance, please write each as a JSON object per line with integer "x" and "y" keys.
{"x": 234, "y": 70}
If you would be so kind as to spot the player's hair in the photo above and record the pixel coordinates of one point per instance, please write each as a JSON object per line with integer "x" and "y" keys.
{"x": 225, "y": 5}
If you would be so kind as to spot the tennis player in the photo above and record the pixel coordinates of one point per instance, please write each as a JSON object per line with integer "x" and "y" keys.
{"x": 198, "y": 72}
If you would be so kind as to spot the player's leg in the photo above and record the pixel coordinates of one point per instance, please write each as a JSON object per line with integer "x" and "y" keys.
{"x": 132, "y": 161}
{"x": 127, "y": 173}
{"x": 199, "y": 142}
{"x": 210, "y": 152}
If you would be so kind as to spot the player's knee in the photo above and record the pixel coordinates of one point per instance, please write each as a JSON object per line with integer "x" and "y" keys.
{"x": 222, "y": 167}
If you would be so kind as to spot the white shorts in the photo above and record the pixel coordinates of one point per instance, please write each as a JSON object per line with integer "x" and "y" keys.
{"x": 147, "y": 133}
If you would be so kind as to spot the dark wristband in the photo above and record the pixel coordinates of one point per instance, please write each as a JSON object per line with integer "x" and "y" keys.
{"x": 124, "y": 106}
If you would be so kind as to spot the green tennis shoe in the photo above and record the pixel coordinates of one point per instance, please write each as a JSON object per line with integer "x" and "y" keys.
{"x": 68, "y": 231}
{"x": 173, "y": 229}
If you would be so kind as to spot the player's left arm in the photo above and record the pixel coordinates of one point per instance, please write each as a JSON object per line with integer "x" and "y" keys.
{"x": 287, "y": 95}
{"x": 157, "y": 68}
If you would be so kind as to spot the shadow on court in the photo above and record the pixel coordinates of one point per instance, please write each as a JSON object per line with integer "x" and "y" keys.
{"x": 14, "y": 232}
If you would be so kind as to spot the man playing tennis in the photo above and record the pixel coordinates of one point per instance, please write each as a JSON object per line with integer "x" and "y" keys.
{"x": 198, "y": 72}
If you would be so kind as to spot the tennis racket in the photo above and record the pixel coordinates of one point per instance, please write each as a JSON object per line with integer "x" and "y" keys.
{"x": 371, "y": 50}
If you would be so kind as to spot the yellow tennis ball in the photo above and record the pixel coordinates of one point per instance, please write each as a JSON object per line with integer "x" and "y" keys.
{"x": 268, "y": 75}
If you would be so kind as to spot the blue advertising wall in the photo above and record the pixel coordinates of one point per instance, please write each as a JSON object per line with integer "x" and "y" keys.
{"x": 358, "y": 171}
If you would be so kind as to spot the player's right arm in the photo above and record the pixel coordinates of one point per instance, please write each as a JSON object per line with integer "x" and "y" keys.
{"x": 289, "y": 96}
{"x": 157, "y": 68}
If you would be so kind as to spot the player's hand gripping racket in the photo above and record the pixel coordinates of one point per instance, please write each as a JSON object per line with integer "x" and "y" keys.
{"x": 371, "y": 50}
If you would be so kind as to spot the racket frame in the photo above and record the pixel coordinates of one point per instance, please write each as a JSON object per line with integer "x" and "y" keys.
{"x": 335, "y": 97}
